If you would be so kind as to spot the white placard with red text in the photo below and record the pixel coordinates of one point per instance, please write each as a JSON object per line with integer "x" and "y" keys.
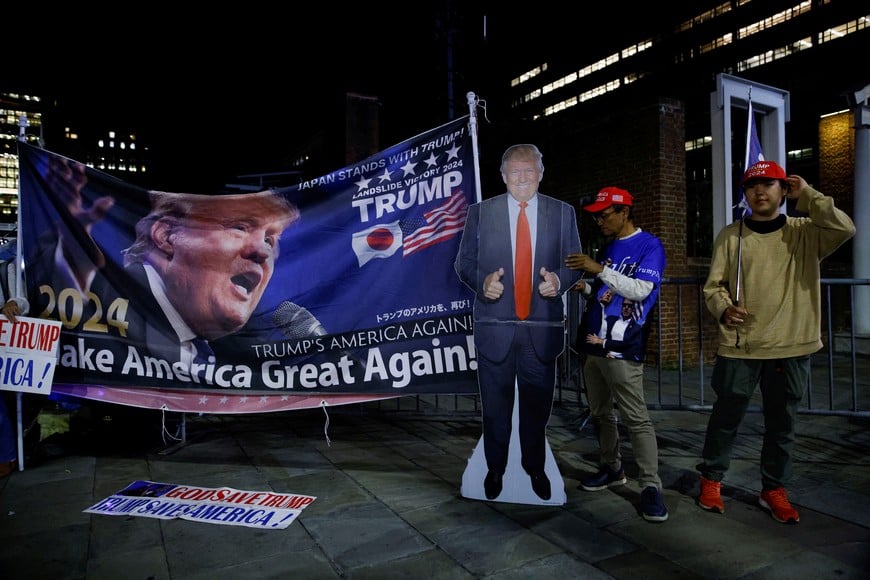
{"x": 267, "y": 510}
{"x": 28, "y": 354}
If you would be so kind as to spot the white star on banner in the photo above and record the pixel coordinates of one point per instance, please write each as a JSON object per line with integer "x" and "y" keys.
{"x": 453, "y": 152}
{"x": 432, "y": 160}
{"x": 362, "y": 183}
{"x": 408, "y": 168}
{"x": 385, "y": 176}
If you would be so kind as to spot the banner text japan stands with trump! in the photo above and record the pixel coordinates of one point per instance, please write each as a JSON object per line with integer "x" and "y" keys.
{"x": 354, "y": 293}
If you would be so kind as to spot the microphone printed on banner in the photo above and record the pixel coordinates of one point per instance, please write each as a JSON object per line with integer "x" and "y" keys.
{"x": 296, "y": 322}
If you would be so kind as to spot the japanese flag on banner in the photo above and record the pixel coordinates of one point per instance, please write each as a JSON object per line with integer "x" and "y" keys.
{"x": 378, "y": 241}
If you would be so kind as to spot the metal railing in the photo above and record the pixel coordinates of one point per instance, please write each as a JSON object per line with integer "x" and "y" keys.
{"x": 839, "y": 382}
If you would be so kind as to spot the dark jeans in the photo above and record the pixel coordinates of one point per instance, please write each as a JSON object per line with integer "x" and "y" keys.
{"x": 783, "y": 382}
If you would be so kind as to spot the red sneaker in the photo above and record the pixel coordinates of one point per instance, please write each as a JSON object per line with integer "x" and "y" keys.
{"x": 710, "y": 499}
{"x": 776, "y": 502}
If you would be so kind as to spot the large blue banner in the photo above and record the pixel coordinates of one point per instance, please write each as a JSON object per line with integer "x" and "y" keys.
{"x": 341, "y": 284}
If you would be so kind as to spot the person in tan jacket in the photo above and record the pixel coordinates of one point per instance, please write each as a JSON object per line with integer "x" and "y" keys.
{"x": 764, "y": 289}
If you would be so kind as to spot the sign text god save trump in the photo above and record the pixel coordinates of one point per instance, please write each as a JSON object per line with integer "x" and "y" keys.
{"x": 28, "y": 354}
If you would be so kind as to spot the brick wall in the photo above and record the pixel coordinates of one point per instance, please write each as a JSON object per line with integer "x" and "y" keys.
{"x": 837, "y": 179}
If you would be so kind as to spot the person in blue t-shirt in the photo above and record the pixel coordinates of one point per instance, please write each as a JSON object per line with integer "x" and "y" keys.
{"x": 631, "y": 268}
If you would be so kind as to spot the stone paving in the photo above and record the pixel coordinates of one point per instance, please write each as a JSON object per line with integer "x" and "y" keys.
{"x": 387, "y": 482}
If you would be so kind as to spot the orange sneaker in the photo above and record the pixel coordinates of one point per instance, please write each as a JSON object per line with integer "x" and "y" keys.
{"x": 710, "y": 499}
{"x": 776, "y": 502}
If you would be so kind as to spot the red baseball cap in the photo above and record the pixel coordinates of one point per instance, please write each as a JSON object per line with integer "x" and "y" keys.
{"x": 763, "y": 170}
{"x": 607, "y": 197}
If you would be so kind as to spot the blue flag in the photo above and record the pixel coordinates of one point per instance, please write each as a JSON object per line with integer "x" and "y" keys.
{"x": 753, "y": 154}
{"x": 753, "y": 145}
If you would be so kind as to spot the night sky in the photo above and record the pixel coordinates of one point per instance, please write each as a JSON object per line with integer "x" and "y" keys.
{"x": 174, "y": 76}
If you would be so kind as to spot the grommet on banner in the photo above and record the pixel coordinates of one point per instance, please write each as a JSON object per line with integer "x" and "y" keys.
{"x": 324, "y": 404}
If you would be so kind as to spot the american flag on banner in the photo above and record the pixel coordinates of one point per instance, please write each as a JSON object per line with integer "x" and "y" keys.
{"x": 442, "y": 223}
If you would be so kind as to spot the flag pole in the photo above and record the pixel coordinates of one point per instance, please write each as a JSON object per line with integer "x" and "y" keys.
{"x": 19, "y": 289}
{"x": 472, "y": 126}
{"x": 754, "y": 154}
{"x": 742, "y": 204}
{"x": 19, "y": 244}
{"x": 747, "y": 158}
{"x": 750, "y": 125}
